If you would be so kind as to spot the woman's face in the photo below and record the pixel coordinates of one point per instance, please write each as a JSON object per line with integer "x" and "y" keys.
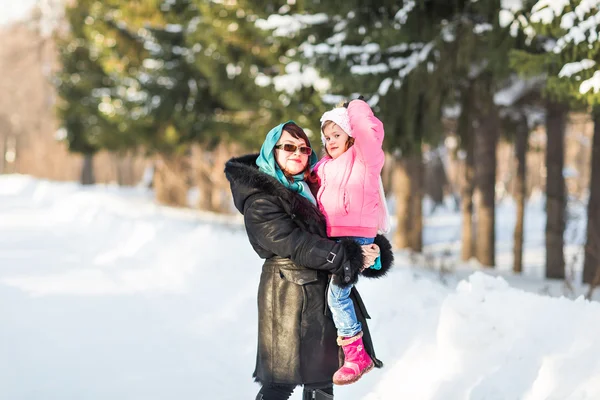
{"x": 335, "y": 140}
{"x": 292, "y": 163}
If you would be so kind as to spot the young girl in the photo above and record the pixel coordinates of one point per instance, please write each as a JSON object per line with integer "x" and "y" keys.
{"x": 351, "y": 198}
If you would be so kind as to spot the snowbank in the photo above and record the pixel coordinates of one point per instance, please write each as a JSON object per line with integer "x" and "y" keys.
{"x": 104, "y": 294}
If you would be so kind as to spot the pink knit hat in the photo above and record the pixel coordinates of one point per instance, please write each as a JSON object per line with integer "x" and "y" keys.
{"x": 340, "y": 117}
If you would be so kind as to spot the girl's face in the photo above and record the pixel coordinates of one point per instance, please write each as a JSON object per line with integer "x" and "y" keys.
{"x": 336, "y": 140}
{"x": 291, "y": 162}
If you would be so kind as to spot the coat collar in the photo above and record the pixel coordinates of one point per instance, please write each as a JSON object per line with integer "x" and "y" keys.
{"x": 246, "y": 180}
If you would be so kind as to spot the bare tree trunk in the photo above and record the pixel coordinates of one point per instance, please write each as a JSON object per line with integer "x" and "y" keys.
{"x": 408, "y": 189}
{"x": 486, "y": 141}
{"x": 387, "y": 173}
{"x": 555, "y": 189}
{"x": 123, "y": 168}
{"x": 591, "y": 264}
{"x": 206, "y": 188}
{"x": 209, "y": 177}
{"x": 206, "y": 177}
{"x": 171, "y": 183}
{"x": 116, "y": 161}
{"x": 127, "y": 169}
{"x": 221, "y": 198}
{"x": 520, "y": 193}
{"x": 467, "y": 250}
{"x": 465, "y": 130}
{"x": 3, "y": 139}
{"x": 416, "y": 170}
{"x": 435, "y": 179}
{"x": 402, "y": 187}
{"x": 87, "y": 170}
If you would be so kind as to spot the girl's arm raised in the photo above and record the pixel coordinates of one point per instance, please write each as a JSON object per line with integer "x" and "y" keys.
{"x": 367, "y": 131}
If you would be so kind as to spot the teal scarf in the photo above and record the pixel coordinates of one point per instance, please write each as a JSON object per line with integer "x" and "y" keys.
{"x": 267, "y": 164}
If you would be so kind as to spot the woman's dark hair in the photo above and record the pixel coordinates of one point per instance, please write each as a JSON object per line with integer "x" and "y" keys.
{"x": 309, "y": 176}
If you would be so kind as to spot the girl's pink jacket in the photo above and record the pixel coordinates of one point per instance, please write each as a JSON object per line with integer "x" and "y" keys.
{"x": 349, "y": 191}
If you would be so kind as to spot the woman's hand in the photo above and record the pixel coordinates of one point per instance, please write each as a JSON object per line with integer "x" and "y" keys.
{"x": 370, "y": 252}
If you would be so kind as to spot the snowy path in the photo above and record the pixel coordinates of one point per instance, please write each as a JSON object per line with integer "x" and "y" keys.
{"x": 104, "y": 295}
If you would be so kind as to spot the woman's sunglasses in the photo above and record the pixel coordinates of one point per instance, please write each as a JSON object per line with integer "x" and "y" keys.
{"x": 291, "y": 148}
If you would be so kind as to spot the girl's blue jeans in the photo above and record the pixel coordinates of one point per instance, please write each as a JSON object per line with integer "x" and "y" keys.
{"x": 340, "y": 304}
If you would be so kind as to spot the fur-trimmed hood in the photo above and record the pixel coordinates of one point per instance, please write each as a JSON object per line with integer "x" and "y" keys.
{"x": 246, "y": 181}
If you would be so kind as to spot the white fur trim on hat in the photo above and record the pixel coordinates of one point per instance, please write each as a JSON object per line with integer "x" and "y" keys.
{"x": 340, "y": 117}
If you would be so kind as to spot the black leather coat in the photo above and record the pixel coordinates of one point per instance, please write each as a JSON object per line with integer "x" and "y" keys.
{"x": 296, "y": 335}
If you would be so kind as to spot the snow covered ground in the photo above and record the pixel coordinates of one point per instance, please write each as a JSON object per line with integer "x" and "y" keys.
{"x": 105, "y": 295}
{"x": 11, "y": 10}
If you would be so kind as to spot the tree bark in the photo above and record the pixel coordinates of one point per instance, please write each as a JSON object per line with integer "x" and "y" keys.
{"x": 171, "y": 183}
{"x": 387, "y": 173}
{"x": 435, "y": 180}
{"x": 402, "y": 187}
{"x": 123, "y": 168}
{"x": 3, "y": 138}
{"x": 466, "y": 203}
{"x": 486, "y": 141}
{"x": 415, "y": 240}
{"x": 466, "y": 132}
{"x": 555, "y": 189}
{"x": 592, "y": 246}
{"x": 408, "y": 189}
{"x": 208, "y": 174}
{"x": 206, "y": 187}
{"x": 521, "y": 141}
{"x": 87, "y": 170}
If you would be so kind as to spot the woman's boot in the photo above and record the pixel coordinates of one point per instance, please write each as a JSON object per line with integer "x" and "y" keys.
{"x": 356, "y": 360}
{"x": 317, "y": 394}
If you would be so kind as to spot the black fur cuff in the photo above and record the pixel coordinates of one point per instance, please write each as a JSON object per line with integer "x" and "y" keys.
{"x": 386, "y": 258}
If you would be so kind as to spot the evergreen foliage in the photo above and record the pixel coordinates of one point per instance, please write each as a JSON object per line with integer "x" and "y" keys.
{"x": 164, "y": 74}
{"x": 565, "y": 49}
{"x": 82, "y": 85}
{"x": 409, "y": 59}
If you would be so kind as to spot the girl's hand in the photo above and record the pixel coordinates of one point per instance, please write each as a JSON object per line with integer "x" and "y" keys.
{"x": 375, "y": 248}
{"x": 370, "y": 252}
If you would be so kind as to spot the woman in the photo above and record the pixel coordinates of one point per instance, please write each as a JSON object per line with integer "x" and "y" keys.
{"x": 297, "y": 337}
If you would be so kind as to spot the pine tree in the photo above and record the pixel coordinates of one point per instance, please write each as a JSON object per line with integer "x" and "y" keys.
{"x": 410, "y": 59}
{"x": 479, "y": 74}
{"x": 240, "y": 61}
{"x": 553, "y": 29}
{"x": 82, "y": 85}
{"x": 591, "y": 266}
{"x": 384, "y": 51}
{"x": 163, "y": 75}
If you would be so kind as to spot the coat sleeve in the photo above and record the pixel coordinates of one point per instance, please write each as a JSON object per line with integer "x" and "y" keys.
{"x": 367, "y": 131}
{"x": 276, "y": 231}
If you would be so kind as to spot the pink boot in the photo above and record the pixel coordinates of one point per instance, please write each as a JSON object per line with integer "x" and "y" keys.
{"x": 357, "y": 362}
